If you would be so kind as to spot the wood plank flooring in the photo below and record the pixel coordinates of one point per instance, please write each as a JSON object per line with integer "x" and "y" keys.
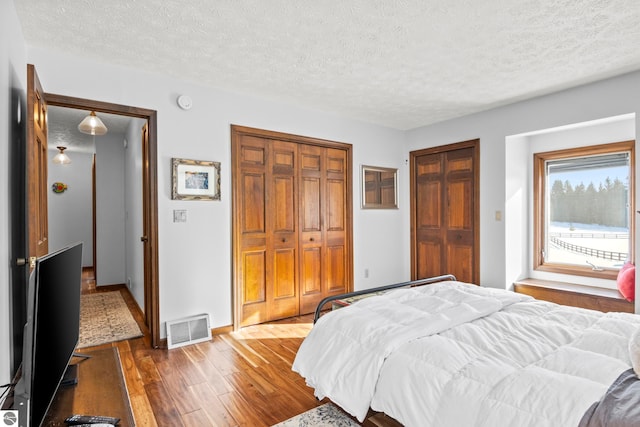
{"x": 241, "y": 378}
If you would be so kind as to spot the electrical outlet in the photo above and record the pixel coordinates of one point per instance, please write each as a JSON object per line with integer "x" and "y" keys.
{"x": 366, "y": 273}
{"x": 129, "y": 282}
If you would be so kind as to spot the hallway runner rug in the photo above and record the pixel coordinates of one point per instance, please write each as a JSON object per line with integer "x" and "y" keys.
{"x": 327, "y": 415}
{"x": 104, "y": 318}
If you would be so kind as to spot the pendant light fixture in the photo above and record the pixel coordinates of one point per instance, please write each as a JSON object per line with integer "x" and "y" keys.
{"x": 61, "y": 158}
{"x": 92, "y": 125}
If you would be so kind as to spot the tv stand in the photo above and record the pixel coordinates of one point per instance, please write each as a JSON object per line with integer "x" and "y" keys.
{"x": 100, "y": 390}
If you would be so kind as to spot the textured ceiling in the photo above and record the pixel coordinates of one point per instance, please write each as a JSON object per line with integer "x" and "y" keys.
{"x": 63, "y": 130}
{"x": 401, "y": 64}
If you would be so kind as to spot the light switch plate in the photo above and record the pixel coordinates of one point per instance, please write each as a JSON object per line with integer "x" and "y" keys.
{"x": 180, "y": 215}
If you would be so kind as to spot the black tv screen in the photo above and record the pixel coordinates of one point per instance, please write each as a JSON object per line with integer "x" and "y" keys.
{"x": 51, "y": 333}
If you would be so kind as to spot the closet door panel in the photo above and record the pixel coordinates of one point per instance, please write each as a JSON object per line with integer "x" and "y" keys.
{"x": 281, "y": 236}
{"x": 254, "y": 267}
{"x": 284, "y": 213}
{"x": 284, "y": 267}
{"x": 335, "y": 223}
{"x": 312, "y": 164}
{"x": 310, "y": 270}
{"x": 428, "y": 256}
{"x": 336, "y": 270}
{"x": 253, "y": 198}
{"x": 253, "y": 289}
{"x": 311, "y": 190}
{"x": 459, "y": 214}
{"x": 459, "y": 261}
{"x": 311, "y": 204}
{"x": 335, "y": 218}
{"x": 252, "y": 238}
{"x": 284, "y": 301}
{"x": 336, "y": 179}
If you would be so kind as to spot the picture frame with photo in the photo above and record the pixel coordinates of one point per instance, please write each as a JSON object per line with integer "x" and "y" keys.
{"x": 195, "y": 179}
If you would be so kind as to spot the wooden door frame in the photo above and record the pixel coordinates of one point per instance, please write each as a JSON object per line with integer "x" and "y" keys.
{"x": 475, "y": 145}
{"x": 94, "y": 221}
{"x": 236, "y": 132}
{"x": 150, "y": 168}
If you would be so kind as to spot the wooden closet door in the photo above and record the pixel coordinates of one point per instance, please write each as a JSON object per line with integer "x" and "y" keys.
{"x": 335, "y": 223}
{"x": 429, "y": 213}
{"x": 323, "y": 220}
{"x": 444, "y": 212}
{"x": 292, "y": 222}
{"x": 268, "y": 230}
{"x": 282, "y": 236}
{"x": 251, "y": 241}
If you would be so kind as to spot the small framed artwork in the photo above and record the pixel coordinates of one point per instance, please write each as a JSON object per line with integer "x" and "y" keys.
{"x": 379, "y": 188}
{"x": 195, "y": 180}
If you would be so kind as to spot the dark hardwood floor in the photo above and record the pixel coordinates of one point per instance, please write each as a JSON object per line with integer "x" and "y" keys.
{"x": 241, "y": 378}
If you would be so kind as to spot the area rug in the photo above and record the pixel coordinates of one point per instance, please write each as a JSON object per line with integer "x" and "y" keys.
{"x": 327, "y": 415}
{"x": 104, "y": 318}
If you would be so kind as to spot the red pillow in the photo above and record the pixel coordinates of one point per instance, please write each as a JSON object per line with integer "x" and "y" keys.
{"x": 627, "y": 281}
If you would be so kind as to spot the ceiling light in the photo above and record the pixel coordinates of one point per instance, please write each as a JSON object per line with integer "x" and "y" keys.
{"x": 92, "y": 125}
{"x": 61, "y": 158}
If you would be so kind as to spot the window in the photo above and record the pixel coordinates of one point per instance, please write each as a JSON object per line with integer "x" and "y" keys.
{"x": 583, "y": 208}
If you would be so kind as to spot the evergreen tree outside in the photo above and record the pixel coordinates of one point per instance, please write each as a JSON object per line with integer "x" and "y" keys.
{"x": 605, "y": 206}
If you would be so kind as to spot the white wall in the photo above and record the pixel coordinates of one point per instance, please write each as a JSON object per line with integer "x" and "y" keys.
{"x": 195, "y": 257}
{"x": 12, "y": 86}
{"x": 607, "y": 98}
{"x": 133, "y": 210}
{"x": 70, "y": 212}
{"x": 110, "y": 211}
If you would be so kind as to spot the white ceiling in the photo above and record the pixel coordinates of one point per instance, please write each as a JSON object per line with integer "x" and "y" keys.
{"x": 63, "y": 130}
{"x": 398, "y": 63}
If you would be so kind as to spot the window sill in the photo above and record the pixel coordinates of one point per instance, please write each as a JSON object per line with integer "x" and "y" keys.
{"x": 575, "y": 295}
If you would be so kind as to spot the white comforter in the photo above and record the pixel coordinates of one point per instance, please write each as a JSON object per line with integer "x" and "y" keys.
{"x": 453, "y": 354}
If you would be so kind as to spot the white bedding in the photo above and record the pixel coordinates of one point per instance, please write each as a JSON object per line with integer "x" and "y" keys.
{"x": 453, "y": 354}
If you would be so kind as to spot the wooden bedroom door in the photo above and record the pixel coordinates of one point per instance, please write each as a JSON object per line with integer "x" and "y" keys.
{"x": 37, "y": 166}
{"x": 444, "y": 211}
{"x": 291, "y": 224}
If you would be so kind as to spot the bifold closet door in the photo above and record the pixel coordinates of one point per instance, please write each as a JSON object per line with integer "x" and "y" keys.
{"x": 291, "y": 223}
{"x": 445, "y": 212}
{"x": 268, "y": 229}
{"x": 323, "y": 225}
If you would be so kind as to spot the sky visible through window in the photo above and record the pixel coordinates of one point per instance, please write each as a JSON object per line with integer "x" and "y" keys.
{"x": 596, "y": 176}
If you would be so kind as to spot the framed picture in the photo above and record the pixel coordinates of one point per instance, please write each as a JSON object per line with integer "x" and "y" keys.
{"x": 379, "y": 188}
{"x": 195, "y": 180}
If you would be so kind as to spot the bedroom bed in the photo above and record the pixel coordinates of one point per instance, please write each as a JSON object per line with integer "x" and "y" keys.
{"x": 456, "y": 354}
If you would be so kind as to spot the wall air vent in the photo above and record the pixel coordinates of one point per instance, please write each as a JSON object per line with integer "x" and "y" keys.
{"x": 189, "y": 330}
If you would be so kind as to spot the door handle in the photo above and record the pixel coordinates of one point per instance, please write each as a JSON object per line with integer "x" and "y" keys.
{"x": 144, "y": 239}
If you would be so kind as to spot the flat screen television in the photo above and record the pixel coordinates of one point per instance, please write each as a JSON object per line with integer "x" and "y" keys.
{"x": 51, "y": 332}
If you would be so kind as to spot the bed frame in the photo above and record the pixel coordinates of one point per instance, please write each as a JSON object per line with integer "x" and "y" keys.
{"x": 410, "y": 284}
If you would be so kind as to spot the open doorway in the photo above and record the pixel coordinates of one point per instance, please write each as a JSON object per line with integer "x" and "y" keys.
{"x": 95, "y": 194}
{"x": 145, "y": 206}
